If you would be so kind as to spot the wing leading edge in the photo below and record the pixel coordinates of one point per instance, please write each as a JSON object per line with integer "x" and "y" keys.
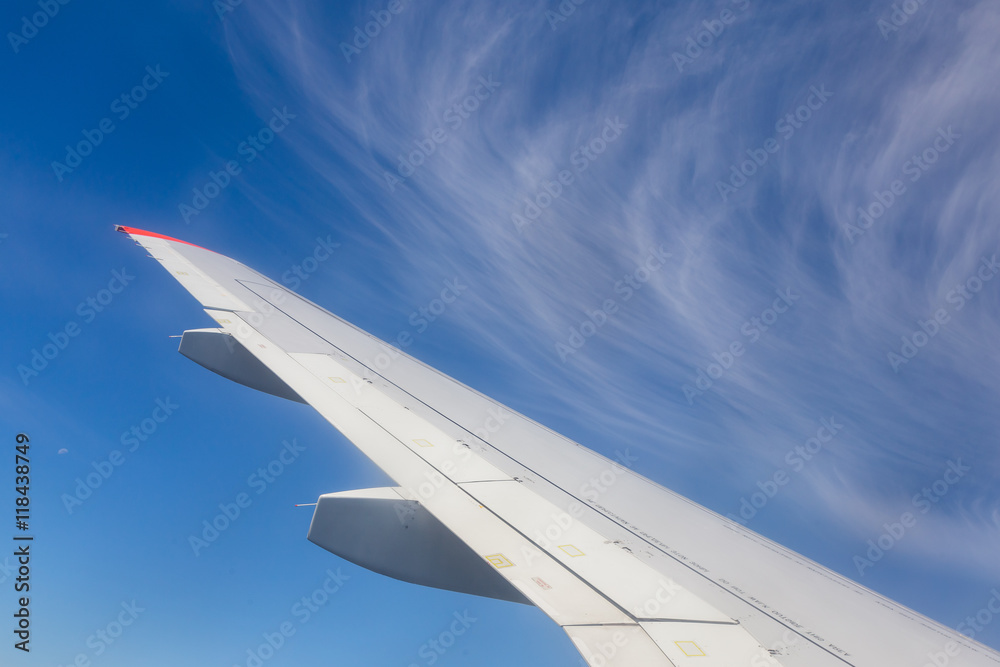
{"x": 635, "y": 574}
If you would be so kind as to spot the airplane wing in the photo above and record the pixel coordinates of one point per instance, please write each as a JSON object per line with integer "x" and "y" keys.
{"x": 492, "y": 503}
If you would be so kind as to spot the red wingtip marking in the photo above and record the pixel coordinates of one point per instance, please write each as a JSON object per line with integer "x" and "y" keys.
{"x": 143, "y": 232}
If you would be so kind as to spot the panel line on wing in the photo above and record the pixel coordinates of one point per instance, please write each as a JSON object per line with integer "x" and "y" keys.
{"x": 455, "y": 507}
{"x": 505, "y": 521}
{"x": 373, "y": 372}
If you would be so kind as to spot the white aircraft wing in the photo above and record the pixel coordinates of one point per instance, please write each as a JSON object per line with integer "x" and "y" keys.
{"x": 492, "y": 503}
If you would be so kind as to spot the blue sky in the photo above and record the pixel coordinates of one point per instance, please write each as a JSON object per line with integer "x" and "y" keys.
{"x": 537, "y": 153}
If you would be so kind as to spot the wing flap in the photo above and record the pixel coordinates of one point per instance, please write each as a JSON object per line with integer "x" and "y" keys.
{"x": 607, "y": 566}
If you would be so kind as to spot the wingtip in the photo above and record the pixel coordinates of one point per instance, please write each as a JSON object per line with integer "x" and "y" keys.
{"x": 134, "y": 231}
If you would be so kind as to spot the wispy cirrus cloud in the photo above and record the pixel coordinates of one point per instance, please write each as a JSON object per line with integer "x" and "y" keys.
{"x": 656, "y": 184}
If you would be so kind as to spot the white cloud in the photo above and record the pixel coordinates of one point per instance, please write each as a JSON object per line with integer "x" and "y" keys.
{"x": 656, "y": 185}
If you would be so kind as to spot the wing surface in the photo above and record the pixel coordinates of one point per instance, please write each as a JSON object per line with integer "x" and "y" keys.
{"x": 634, "y": 573}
